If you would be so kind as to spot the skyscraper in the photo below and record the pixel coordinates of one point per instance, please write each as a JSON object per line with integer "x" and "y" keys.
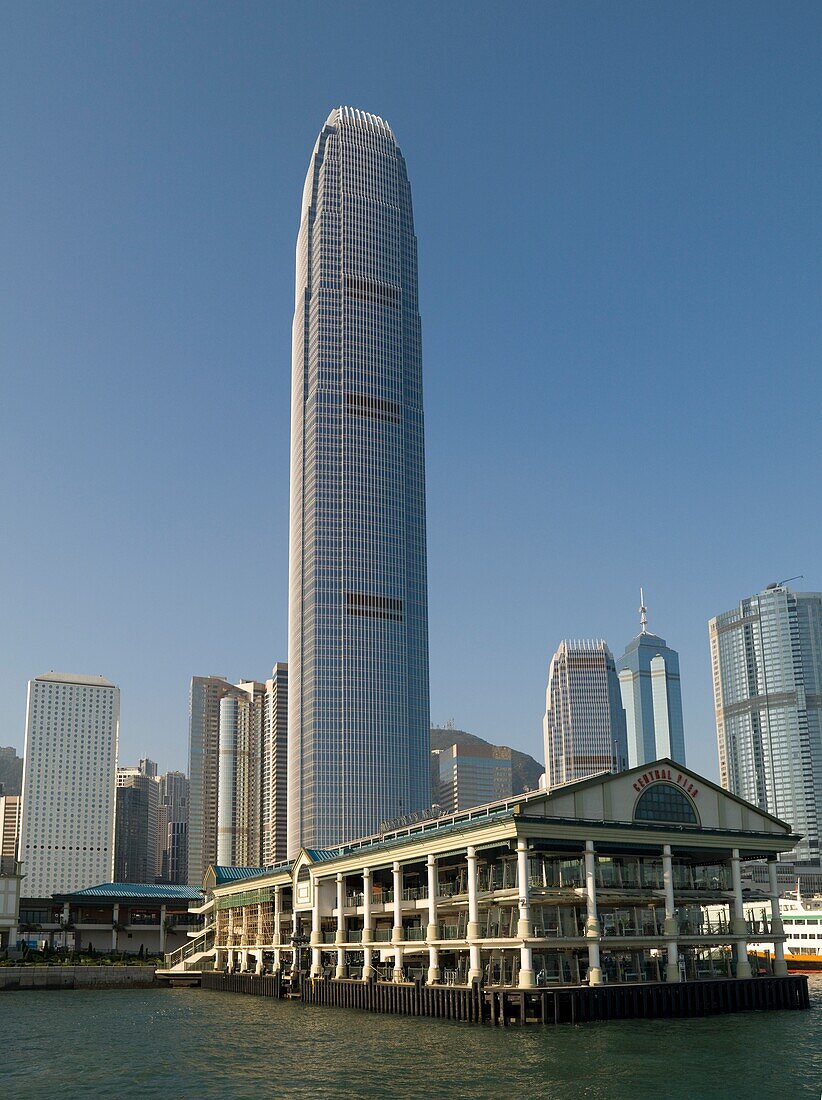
{"x": 274, "y": 787}
{"x": 70, "y": 758}
{"x": 172, "y": 842}
{"x": 203, "y": 765}
{"x": 649, "y": 683}
{"x": 584, "y": 724}
{"x": 136, "y": 824}
{"x": 766, "y": 656}
{"x": 238, "y": 802}
{"x": 358, "y": 633}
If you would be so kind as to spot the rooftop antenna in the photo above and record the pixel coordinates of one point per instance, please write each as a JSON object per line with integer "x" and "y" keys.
{"x": 643, "y": 614}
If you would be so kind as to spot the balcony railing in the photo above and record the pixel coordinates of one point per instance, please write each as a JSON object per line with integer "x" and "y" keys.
{"x": 415, "y": 933}
{"x": 382, "y": 935}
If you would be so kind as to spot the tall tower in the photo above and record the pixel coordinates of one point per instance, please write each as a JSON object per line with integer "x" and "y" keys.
{"x": 70, "y": 760}
{"x": 584, "y": 724}
{"x": 358, "y": 734}
{"x": 649, "y": 682}
{"x": 766, "y": 656}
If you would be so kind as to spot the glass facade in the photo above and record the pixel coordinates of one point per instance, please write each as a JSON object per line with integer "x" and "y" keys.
{"x": 649, "y": 682}
{"x": 665, "y": 802}
{"x": 358, "y": 732}
{"x": 584, "y": 724}
{"x": 766, "y": 658}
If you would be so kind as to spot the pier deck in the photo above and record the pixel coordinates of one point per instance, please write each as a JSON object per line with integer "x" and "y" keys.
{"x": 552, "y": 1005}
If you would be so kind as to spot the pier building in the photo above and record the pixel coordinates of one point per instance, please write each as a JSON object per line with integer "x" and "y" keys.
{"x": 617, "y": 878}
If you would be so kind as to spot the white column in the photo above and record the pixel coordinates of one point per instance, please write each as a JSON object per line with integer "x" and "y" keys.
{"x": 259, "y": 936}
{"x": 777, "y": 928}
{"x": 278, "y": 961}
{"x": 738, "y": 925}
{"x": 433, "y": 932}
{"x": 398, "y": 961}
{"x": 316, "y": 934}
{"x": 592, "y": 923}
{"x": 474, "y": 961}
{"x": 244, "y": 960}
{"x": 671, "y": 929}
{"x": 524, "y": 929}
{"x": 115, "y": 919}
{"x": 162, "y": 929}
{"x": 259, "y": 967}
{"x": 278, "y": 901}
{"x": 367, "y": 923}
{"x": 396, "y": 934}
{"x": 340, "y": 933}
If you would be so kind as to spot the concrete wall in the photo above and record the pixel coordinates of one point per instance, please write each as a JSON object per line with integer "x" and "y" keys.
{"x": 74, "y": 977}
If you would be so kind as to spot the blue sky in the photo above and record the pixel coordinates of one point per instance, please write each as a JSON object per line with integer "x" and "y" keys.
{"x": 618, "y": 215}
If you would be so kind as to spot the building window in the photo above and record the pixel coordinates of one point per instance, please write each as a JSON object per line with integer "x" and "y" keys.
{"x": 665, "y": 802}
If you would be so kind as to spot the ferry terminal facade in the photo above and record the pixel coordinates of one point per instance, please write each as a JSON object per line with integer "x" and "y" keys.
{"x": 617, "y": 878}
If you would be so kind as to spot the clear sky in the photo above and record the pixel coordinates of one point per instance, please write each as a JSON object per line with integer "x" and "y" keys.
{"x": 618, "y": 213}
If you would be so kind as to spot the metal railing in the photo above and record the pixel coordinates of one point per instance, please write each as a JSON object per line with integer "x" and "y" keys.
{"x": 203, "y": 942}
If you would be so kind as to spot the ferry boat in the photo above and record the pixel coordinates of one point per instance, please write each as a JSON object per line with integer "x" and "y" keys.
{"x": 803, "y": 934}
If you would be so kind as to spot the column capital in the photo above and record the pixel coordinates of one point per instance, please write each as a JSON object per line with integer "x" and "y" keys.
{"x": 432, "y": 860}
{"x": 666, "y": 850}
{"x": 395, "y": 867}
{"x": 366, "y": 872}
{"x": 589, "y": 845}
{"x": 471, "y": 852}
{"x": 522, "y": 844}
{"x": 340, "y": 876}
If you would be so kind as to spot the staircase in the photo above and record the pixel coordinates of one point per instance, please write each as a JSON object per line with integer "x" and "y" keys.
{"x": 183, "y": 966}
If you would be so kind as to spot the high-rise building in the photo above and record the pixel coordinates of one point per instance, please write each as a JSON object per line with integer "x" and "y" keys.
{"x": 471, "y": 775}
{"x": 649, "y": 682}
{"x": 9, "y": 831}
{"x": 274, "y": 785}
{"x": 584, "y": 724}
{"x": 136, "y": 824}
{"x": 203, "y": 766}
{"x": 11, "y": 771}
{"x": 242, "y": 713}
{"x": 173, "y": 828}
{"x": 766, "y": 656}
{"x": 238, "y": 754}
{"x": 358, "y": 635}
{"x": 70, "y": 759}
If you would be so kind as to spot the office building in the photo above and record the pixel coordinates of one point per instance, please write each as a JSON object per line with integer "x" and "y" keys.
{"x": 70, "y": 759}
{"x": 136, "y": 824}
{"x": 10, "y": 805}
{"x": 173, "y": 828}
{"x": 238, "y": 783}
{"x": 239, "y": 795}
{"x": 274, "y": 785}
{"x": 649, "y": 684}
{"x": 11, "y": 771}
{"x": 358, "y": 636}
{"x": 472, "y": 775}
{"x": 766, "y": 657}
{"x": 584, "y": 724}
{"x": 203, "y": 765}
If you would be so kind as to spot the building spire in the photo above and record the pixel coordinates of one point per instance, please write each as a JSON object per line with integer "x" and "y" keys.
{"x": 643, "y": 614}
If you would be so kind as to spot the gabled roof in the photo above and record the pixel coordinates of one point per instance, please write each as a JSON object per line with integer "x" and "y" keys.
{"x": 223, "y": 875}
{"x": 641, "y": 769}
{"x": 146, "y": 890}
{"x": 320, "y": 855}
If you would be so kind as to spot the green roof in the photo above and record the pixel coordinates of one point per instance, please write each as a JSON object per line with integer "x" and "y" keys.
{"x": 150, "y": 891}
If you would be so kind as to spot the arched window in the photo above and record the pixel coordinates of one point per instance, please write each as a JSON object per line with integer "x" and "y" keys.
{"x": 665, "y": 802}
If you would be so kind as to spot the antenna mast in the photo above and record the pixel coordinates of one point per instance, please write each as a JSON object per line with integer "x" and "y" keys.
{"x": 643, "y": 614}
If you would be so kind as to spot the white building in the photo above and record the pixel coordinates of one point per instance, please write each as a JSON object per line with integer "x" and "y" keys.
{"x": 70, "y": 761}
{"x": 766, "y": 657}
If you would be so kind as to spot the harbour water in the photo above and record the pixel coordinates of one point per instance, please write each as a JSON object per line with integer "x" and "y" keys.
{"x": 191, "y": 1043}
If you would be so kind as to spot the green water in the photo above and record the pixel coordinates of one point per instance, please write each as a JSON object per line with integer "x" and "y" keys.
{"x": 190, "y": 1043}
